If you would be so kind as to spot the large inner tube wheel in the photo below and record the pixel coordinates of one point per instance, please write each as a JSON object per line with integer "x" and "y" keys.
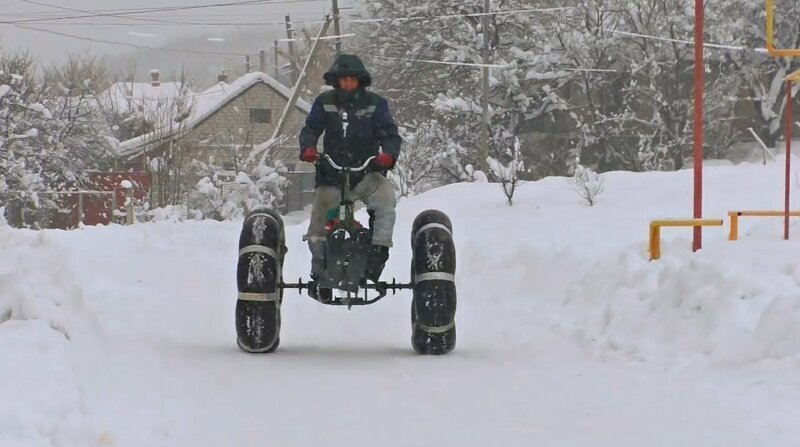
{"x": 262, "y": 248}
{"x": 433, "y": 269}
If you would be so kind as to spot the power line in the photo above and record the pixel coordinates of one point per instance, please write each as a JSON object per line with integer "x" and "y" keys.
{"x": 162, "y": 9}
{"x": 127, "y": 44}
{"x": 452, "y": 16}
{"x": 163, "y": 24}
{"x": 62, "y": 8}
{"x": 685, "y": 42}
{"x": 350, "y": 20}
{"x": 430, "y": 61}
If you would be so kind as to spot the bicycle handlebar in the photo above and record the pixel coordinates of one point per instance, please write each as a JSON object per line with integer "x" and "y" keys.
{"x": 339, "y": 168}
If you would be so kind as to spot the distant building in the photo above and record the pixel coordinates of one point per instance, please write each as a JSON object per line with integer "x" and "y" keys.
{"x": 145, "y": 97}
{"x": 223, "y": 126}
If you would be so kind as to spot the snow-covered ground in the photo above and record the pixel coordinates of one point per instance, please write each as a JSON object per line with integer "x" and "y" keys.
{"x": 568, "y": 335}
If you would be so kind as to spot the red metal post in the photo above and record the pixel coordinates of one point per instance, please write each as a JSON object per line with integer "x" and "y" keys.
{"x": 788, "y": 186}
{"x": 699, "y": 83}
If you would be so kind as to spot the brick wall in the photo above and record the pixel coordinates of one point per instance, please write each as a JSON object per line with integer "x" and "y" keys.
{"x": 235, "y": 115}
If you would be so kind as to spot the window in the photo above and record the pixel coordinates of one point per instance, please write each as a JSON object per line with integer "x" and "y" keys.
{"x": 261, "y": 116}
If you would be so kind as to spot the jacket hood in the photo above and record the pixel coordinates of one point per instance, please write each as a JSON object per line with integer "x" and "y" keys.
{"x": 348, "y": 65}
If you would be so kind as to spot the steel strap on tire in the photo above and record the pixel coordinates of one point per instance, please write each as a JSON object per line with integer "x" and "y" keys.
{"x": 274, "y": 219}
{"x": 259, "y": 249}
{"x": 436, "y": 329}
{"x": 430, "y": 226}
{"x": 259, "y": 297}
{"x": 434, "y": 276}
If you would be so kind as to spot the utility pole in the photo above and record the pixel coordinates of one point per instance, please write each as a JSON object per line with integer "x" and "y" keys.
{"x": 290, "y": 37}
{"x": 337, "y": 30}
{"x": 298, "y": 87}
{"x": 276, "y": 70}
{"x": 262, "y": 61}
{"x": 483, "y": 154}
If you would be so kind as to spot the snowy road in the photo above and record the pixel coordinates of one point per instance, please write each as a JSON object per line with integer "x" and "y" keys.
{"x": 124, "y": 336}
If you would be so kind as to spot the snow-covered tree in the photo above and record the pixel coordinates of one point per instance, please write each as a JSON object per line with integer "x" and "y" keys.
{"x": 224, "y": 200}
{"x": 758, "y": 78}
{"x": 507, "y": 168}
{"x": 450, "y": 94}
{"x": 50, "y": 136}
{"x": 429, "y": 158}
{"x": 587, "y": 183}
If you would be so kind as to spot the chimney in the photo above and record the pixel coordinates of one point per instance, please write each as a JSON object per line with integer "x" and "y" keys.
{"x": 222, "y": 77}
{"x": 155, "y": 78}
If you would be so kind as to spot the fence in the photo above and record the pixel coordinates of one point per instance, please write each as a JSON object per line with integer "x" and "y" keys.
{"x": 61, "y": 209}
{"x": 68, "y": 209}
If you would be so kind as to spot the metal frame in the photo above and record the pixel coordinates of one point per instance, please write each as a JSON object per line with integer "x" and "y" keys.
{"x": 790, "y": 81}
{"x": 699, "y": 86}
{"x": 353, "y": 299}
{"x": 655, "y": 231}
{"x": 347, "y": 223}
{"x": 775, "y": 52}
{"x": 735, "y": 215}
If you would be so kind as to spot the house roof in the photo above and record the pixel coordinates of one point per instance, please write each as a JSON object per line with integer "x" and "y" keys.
{"x": 207, "y": 103}
{"x": 134, "y": 96}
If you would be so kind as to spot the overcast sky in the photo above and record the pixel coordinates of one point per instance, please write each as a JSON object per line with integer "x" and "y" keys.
{"x": 251, "y": 32}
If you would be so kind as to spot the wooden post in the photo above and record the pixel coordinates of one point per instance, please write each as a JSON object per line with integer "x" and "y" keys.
{"x": 275, "y": 61}
{"x": 292, "y": 54}
{"x": 130, "y": 217}
{"x": 80, "y": 208}
{"x": 337, "y": 30}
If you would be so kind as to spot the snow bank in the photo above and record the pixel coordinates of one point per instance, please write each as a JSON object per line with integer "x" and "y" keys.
{"x": 41, "y": 312}
{"x": 708, "y": 306}
{"x": 124, "y": 335}
{"x": 557, "y": 262}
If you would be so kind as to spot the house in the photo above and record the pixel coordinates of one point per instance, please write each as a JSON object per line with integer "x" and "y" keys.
{"x": 145, "y": 98}
{"x": 222, "y": 127}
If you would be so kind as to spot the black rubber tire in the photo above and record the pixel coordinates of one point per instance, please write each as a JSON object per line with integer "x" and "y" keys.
{"x": 258, "y": 307}
{"x": 433, "y": 308}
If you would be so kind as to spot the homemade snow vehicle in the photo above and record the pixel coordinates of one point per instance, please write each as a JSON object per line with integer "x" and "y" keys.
{"x": 262, "y": 250}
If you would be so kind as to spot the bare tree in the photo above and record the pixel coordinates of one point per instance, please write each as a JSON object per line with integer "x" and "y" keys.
{"x": 587, "y": 184}
{"x": 80, "y": 74}
{"x": 506, "y": 168}
{"x": 316, "y": 67}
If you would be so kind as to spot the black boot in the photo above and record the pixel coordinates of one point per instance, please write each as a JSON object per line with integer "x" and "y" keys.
{"x": 324, "y": 296}
{"x": 378, "y": 255}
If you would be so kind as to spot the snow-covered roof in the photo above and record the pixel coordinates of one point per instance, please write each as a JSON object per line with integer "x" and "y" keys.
{"x": 209, "y": 102}
{"x": 133, "y": 96}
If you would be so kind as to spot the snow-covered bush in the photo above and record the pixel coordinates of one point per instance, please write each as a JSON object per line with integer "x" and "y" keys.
{"x": 506, "y": 169}
{"x": 587, "y": 184}
{"x": 428, "y": 156}
{"x": 223, "y": 200}
{"x": 51, "y": 135}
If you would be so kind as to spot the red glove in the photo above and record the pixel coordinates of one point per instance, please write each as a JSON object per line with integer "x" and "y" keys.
{"x": 384, "y": 160}
{"x": 309, "y": 155}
